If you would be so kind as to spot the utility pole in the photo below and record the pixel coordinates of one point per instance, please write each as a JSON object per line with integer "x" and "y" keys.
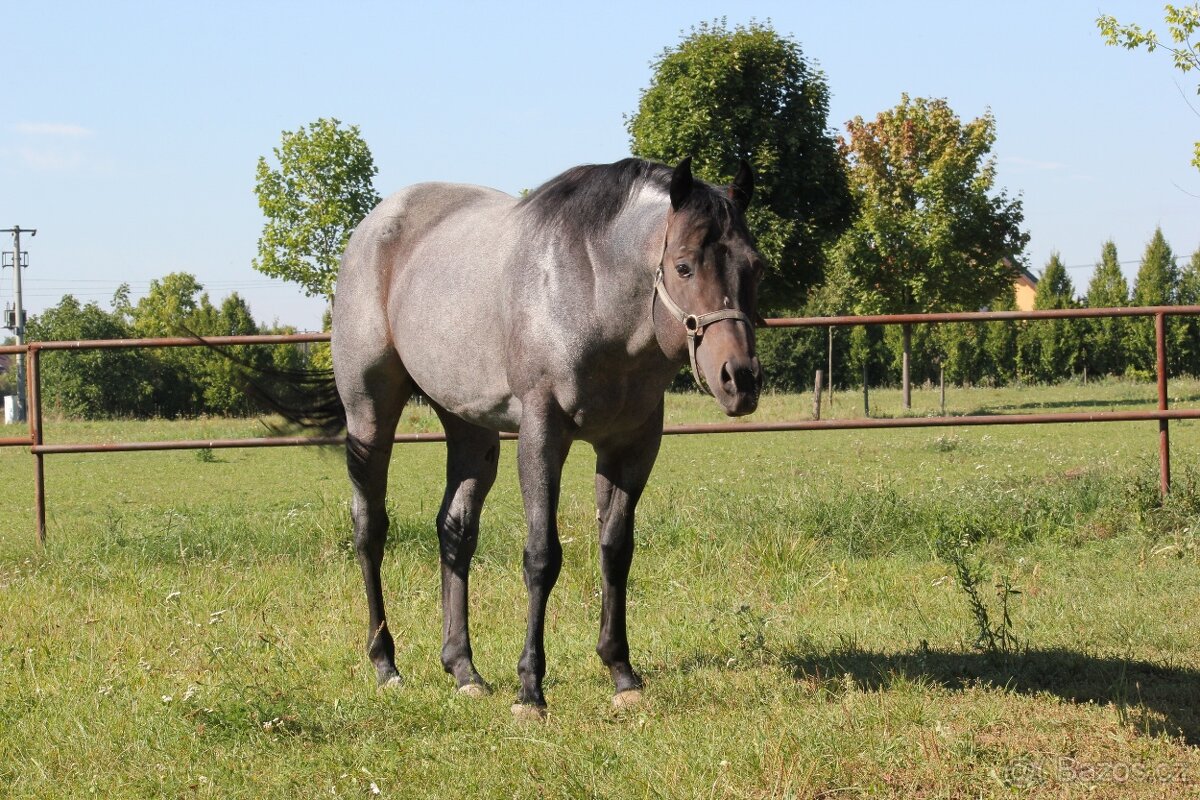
{"x": 19, "y": 320}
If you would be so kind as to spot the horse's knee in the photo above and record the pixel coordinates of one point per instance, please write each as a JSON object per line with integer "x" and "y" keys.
{"x": 616, "y": 545}
{"x": 458, "y": 535}
{"x": 543, "y": 563}
{"x": 370, "y": 533}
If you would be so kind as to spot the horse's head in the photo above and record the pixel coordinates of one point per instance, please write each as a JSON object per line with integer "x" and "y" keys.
{"x": 708, "y": 285}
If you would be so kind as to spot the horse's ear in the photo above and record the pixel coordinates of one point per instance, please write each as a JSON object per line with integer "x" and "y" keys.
{"x": 742, "y": 188}
{"x": 681, "y": 183}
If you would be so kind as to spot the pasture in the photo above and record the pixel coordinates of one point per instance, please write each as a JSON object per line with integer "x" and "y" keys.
{"x": 194, "y": 627}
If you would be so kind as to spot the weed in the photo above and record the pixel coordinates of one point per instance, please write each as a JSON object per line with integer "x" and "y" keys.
{"x": 752, "y": 635}
{"x": 205, "y": 455}
{"x": 995, "y": 638}
{"x": 946, "y": 443}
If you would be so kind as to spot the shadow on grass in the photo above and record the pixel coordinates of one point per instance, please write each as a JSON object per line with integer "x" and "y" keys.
{"x": 1156, "y": 698}
{"x": 1147, "y": 404}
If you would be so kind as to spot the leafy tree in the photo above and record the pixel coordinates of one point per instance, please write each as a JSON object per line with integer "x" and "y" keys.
{"x": 1185, "y": 345}
{"x": 930, "y": 235}
{"x": 196, "y": 380}
{"x": 1000, "y": 341}
{"x": 1157, "y": 284}
{"x": 960, "y": 349}
{"x": 221, "y": 382}
{"x": 321, "y": 188}
{"x": 173, "y": 306}
{"x": 1104, "y": 340}
{"x": 724, "y": 94}
{"x": 91, "y": 383}
{"x": 1049, "y": 350}
{"x": 791, "y": 356}
{"x": 1182, "y": 24}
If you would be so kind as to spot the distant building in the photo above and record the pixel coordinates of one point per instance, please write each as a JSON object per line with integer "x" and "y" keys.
{"x": 1025, "y": 287}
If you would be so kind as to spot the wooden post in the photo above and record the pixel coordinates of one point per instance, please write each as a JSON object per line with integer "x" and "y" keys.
{"x": 829, "y": 372}
{"x": 817, "y": 396}
{"x": 942, "y": 386}
{"x": 866, "y": 392}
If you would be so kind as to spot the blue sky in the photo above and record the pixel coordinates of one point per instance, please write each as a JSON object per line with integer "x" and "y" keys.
{"x": 129, "y": 132}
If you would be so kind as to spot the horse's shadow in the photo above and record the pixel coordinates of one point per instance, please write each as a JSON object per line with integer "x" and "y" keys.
{"x": 1136, "y": 404}
{"x": 1158, "y": 698}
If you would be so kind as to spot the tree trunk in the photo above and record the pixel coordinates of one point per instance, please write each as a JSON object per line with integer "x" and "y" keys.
{"x": 905, "y": 379}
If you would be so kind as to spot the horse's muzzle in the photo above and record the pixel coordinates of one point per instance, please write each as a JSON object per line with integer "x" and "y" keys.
{"x": 740, "y": 381}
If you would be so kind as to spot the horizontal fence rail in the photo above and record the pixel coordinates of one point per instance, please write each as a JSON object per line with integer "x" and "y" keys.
{"x": 1163, "y": 414}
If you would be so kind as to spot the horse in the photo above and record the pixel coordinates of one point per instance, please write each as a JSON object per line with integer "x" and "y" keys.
{"x": 563, "y": 316}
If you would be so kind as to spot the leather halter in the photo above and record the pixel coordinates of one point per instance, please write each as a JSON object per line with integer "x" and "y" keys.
{"x": 694, "y": 324}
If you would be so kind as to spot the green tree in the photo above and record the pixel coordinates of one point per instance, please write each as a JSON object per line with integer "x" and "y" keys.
{"x": 320, "y": 189}
{"x": 1000, "y": 341}
{"x": 174, "y": 306}
{"x": 1050, "y": 350}
{"x": 1182, "y": 24}
{"x": 960, "y": 348}
{"x": 931, "y": 234}
{"x": 1105, "y": 339}
{"x": 1185, "y": 345}
{"x": 724, "y": 94}
{"x": 197, "y": 380}
{"x": 1157, "y": 284}
{"x": 92, "y": 384}
{"x": 222, "y": 388}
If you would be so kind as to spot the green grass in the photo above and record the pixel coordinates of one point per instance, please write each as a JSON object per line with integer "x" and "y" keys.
{"x": 195, "y": 627}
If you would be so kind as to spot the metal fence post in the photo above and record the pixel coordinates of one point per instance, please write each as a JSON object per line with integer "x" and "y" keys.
{"x": 1164, "y": 438}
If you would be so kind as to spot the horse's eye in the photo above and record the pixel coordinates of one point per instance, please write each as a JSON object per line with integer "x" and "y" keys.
{"x": 683, "y": 269}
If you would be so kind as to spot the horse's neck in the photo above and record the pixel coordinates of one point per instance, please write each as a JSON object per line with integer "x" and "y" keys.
{"x": 638, "y": 234}
{"x": 624, "y": 263}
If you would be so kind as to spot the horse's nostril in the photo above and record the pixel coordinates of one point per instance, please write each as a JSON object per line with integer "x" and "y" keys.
{"x": 726, "y": 379}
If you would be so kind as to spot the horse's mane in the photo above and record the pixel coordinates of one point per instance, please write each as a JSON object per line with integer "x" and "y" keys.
{"x": 585, "y": 200}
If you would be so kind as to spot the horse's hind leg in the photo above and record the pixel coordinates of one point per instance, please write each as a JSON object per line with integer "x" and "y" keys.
{"x": 374, "y": 398}
{"x": 472, "y": 454}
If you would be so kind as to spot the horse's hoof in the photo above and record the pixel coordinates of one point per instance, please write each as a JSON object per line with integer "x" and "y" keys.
{"x": 474, "y": 690}
{"x": 627, "y": 698}
{"x": 394, "y": 682}
{"x": 527, "y": 712}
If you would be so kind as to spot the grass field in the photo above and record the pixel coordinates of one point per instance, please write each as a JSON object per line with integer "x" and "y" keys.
{"x": 195, "y": 625}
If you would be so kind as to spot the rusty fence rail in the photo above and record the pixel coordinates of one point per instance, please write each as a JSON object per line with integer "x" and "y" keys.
{"x": 1163, "y": 414}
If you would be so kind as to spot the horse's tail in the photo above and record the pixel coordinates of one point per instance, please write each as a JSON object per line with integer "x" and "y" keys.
{"x": 306, "y": 398}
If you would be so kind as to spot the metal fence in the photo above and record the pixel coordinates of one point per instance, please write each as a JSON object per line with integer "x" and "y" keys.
{"x": 1163, "y": 414}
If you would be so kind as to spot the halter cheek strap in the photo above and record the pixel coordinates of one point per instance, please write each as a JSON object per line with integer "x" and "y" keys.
{"x": 694, "y": 324}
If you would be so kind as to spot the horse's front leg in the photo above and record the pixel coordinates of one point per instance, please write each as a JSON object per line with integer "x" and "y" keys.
{"x": 621, "y": 474}
{"x": 541, "y": 451}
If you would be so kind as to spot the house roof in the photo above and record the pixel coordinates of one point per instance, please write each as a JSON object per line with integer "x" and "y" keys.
{"x": 1020, "y": 272}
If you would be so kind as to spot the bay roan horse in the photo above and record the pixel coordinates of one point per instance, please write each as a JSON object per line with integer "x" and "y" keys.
{"x": 564, "y": 315}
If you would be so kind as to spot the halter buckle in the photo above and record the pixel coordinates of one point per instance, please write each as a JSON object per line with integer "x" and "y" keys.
{"x": 692, "y": 323}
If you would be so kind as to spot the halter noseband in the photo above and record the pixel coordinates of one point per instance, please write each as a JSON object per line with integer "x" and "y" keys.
{"x": 694, "y": 324}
